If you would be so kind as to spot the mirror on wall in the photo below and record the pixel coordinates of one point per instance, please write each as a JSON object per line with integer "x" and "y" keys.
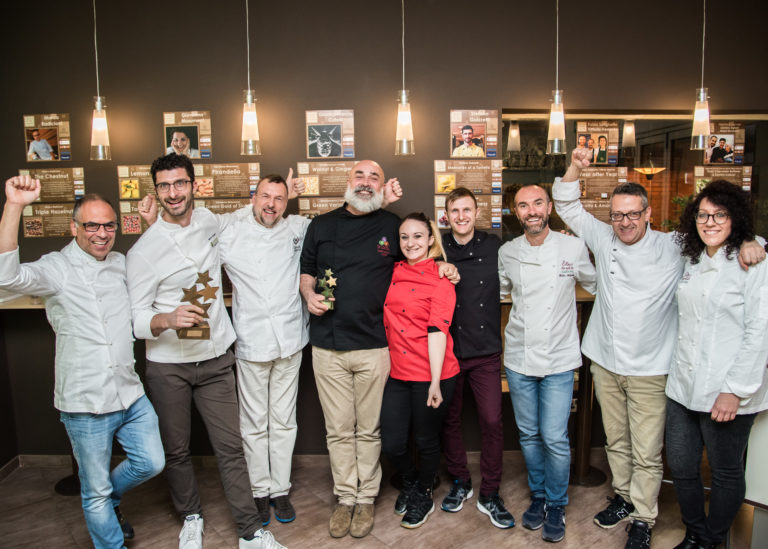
{"x": 661, "y": 161}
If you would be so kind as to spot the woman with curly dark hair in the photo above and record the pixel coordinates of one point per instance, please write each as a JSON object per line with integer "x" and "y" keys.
{"x": 717, "y": 381}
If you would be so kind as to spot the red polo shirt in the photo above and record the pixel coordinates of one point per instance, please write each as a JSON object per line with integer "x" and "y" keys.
{"x": 418, "y": 298}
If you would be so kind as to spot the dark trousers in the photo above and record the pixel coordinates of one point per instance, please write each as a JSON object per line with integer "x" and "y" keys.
{"x": 687, "y": 433}
{"x": 405, "y": 406}
{"x": 483, "y": 374}
{"x": 211, "y": 384}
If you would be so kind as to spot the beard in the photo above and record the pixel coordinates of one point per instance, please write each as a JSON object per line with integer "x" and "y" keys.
{"x": 364, "y": 205}
{"x": 535, "y": 228}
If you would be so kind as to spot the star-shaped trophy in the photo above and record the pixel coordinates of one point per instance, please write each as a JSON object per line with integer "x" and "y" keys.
{"x": 198, "y": 298}
{"x": 327, "y": 285}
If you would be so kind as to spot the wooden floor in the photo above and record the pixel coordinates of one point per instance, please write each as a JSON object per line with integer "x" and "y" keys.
{"x": 33, "y": 515}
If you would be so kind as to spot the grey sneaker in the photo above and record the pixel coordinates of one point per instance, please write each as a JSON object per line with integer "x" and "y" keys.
{"x": 554, "y": 523}
{"x": 493, "y": 506}
{"x": 191, "y": 535}
{"x": 460, "y": 492}
{"x": 533, "y": 518}
{"x": 284, "y": 511}
{"x": 262, "y": 506}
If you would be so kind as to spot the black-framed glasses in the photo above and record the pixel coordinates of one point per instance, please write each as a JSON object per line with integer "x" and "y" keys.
{"x": 179, "y": 185}
{"x": 92, "y": 227}
{"x": 617, "y": 217}
{"x": 702, "y": 218}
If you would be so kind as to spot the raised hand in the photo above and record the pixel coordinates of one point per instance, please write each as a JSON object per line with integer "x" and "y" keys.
{"x": 296, "y": 186}
{"x": 392, "y": 192}
{"x": 22, "y": 190}
{"x": 148, "y": 209}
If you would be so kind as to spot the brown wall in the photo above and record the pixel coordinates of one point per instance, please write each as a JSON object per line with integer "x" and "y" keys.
{"x": 337, "y": 54}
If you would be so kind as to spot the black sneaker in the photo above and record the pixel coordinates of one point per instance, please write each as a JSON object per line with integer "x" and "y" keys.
{"x": 618, "y": 509}
{"x": 639, "y": 535}
{"x": 401, "y": 504}
{"x": 262, "y": 506}
{"x": 554, "y": 523}
{"x": 125, "y": 526}
{"x": 690, "y": 541}
{"x": 461, "y": 491}
{"x": 493, "y": 506}
{"x": 533, "y": 518}
{"x": 420, "y": 506}
{"x": 284, "y": 511}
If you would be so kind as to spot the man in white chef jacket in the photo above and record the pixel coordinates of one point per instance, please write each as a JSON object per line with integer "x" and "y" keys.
{"x": 540, "y": 269}
{"x": 261, "y": 254}
{"x": 174, "y": 280}
{"x": 630, "y": 339}
{"x": 97, "y": 391}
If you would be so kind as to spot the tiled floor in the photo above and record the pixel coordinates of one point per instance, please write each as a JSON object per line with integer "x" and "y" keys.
{"x": 33, "y": 515}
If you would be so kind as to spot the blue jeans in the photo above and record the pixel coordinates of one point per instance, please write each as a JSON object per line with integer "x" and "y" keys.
{"x": 542, "y": 406}
{"x": 91, "y": 436}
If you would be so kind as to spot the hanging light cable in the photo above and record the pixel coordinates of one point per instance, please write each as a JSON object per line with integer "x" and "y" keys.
{"x": 100, "y": 149}
{"x": 249, "y": 141}
{"x": 700, "y": 131}
{"x": 404, "y": 134}
{"x": 556, "y": 134}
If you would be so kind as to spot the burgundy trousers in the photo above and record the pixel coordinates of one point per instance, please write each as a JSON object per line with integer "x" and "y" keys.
{"x": 484, "y": 377}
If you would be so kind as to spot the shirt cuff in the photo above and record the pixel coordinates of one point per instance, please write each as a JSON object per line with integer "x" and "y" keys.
{"x": 142, "y": 324}
{"x": 565, "y": 190}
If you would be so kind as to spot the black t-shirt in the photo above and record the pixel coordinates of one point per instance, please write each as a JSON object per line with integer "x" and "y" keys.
{"x": 361, "y": 251}
{"x": 476, "y": 326}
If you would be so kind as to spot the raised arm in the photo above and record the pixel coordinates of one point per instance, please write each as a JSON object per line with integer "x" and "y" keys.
{"x": 566, "y": 195}
{"x": 42, "y": 277}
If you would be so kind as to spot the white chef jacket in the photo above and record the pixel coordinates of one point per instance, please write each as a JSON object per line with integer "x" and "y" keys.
{"x": 722, "y": 346}
{"x": 86, "y": 302}
{"x": 270, "y": 318}
{"x": 166, "y": 259}
{"x": 633, "y": 327}
{"x": 541, "y": 335}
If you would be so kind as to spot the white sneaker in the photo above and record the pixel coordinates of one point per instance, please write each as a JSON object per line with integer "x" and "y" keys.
{"x": 191, "y": 535}
{"x": 262, "y": 539}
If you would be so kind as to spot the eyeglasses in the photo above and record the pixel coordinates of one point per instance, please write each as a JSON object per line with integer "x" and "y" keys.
{"x": 719, "y": 217}
{"x": 179, "y": 185}
{"x": 91, "y": 227}
{"x": 617, "y": 217}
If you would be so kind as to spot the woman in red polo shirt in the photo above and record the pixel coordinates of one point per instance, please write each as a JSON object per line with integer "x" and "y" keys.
{"x": 417, "y": 314}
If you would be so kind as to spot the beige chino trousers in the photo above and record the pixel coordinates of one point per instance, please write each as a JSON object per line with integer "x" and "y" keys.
{"x": 633, "y": 409}
{"x": 350, "y": 385}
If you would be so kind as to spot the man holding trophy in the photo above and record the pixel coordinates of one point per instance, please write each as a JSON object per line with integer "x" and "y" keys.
{"x": 174, "y": 281}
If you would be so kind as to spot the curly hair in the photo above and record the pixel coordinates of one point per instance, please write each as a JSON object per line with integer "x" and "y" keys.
{"x": 171, "y": 162}
{"x": 725, "y": 195}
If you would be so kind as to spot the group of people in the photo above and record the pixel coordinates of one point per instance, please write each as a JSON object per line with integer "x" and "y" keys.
{"x": 400, "y": 319}
{"x": 596, "y": 155}
{"x": 718, "y": 152}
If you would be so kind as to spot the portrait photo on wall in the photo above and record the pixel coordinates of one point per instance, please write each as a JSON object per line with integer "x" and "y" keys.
{"x": 42, "y": 144}
{"x": 468, "y": 140}
{"x": 324, "y": 141}
{"x": 720, "y": 149}
{"x": 182, "y": 140}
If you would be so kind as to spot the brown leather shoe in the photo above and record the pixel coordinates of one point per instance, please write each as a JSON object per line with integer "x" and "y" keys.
{"x": 340, "y": 520}
{"x": 362, "y": 520}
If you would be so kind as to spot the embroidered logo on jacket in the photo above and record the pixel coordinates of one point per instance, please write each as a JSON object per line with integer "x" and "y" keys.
{"x": 566, "y": 268}
{"x": 383, "y": 246}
